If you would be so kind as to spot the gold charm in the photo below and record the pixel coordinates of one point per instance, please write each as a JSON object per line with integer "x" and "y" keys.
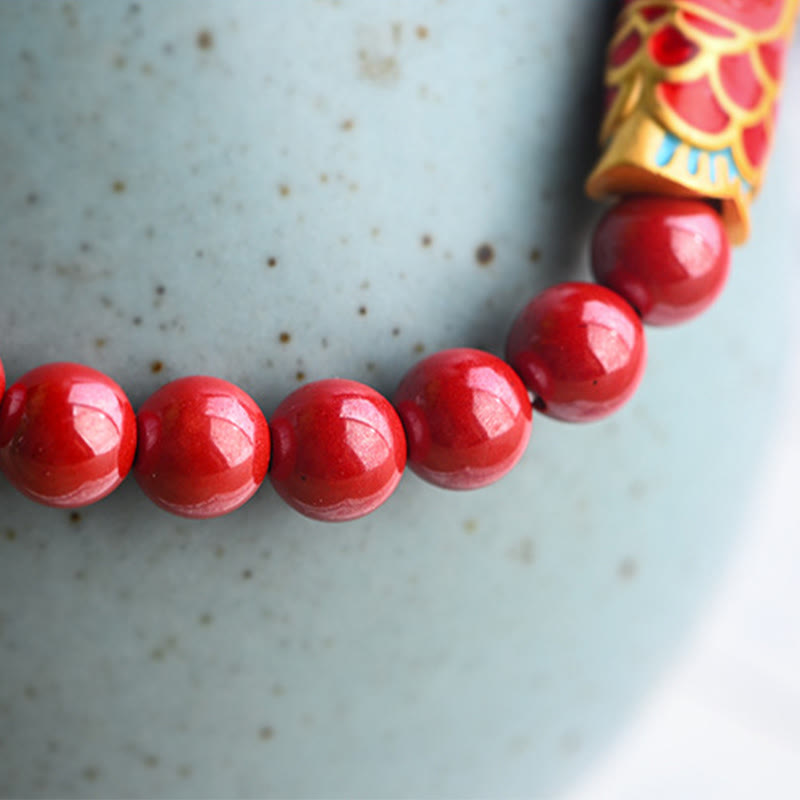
{"x": 691, "y": 97}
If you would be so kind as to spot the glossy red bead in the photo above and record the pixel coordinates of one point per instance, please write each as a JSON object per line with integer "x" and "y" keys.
{"x": 67, "y": 435}
{"x": 338, "y": 450}
{"x": 580, "y": 349}
{"x": 467, "y": 418}
{"x": 668, "y": 257}
{"x": 2, "y": 380}
{"x": 204, "y": 447}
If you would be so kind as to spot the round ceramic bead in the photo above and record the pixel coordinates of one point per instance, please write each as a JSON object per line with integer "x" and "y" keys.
{"x": 338, "y": 450}
{"x": 668, "y": 257}
{"x": 67, "y": 435}
{"x": 580, "y": 349}
{"x": 204, "y": 447}
{"x": 467, "y": 418}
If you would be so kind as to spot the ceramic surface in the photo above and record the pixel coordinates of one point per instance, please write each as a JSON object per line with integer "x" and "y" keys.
{"x": 279, "y": 192}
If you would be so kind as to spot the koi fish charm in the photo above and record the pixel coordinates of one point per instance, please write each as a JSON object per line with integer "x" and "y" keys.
{"x": 692, "y": 89}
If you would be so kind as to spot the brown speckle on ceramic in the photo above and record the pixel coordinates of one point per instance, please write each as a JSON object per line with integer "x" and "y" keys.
{"x": 535, "y": 255}
{"x": 484, "y": 254}
{"x": 426, "y": 240}
{"x": 266, "y": 733}
{"x": 204, "y": 40}
{"x": 378, "y": 67}
{"x": 156, "y": 366}
{"x": 284, "y": 337}
{"x": 118, "y": 186}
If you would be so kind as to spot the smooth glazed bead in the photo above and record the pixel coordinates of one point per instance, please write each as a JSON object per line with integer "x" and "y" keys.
{"x": 580, "y": 349}
{"x": 467, "y": 418}
{"x": 2, "y": 381}
{"x": 668, "y": 257}
{"x": 338, "y": 450}
{"x": 203, "y": 447}
{"x": 67, "y": 435}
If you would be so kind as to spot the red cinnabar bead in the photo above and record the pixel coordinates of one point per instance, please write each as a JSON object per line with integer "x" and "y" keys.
{"x": 338, "y": 450}
{"x": 580, "y": 349}
{"x": 203, "y": 447}
{"x": 67, "y": 435}
{"x": 467, "y": 418}
{"x": 668, "y": 257}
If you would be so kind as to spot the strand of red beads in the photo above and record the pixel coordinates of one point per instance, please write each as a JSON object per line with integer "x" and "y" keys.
{"x": 336, "y": 449}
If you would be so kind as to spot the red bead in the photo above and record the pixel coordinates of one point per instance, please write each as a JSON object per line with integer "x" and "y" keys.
{"x": 2, "y": 380}
{"x": 580, "y": 349}
{"x": 467, "y": 418}
{"x": 203, "y": 447}
{"x": 338, "y": 450}
{"x": 668, "y": 257}
{"x": 67, "y": 435}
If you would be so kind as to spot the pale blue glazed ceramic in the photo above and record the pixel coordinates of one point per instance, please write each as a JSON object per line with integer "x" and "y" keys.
{"x": 328, "y": 170}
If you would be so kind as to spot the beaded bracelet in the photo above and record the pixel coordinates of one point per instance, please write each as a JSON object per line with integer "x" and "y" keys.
{"x": 691, "y": 94}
